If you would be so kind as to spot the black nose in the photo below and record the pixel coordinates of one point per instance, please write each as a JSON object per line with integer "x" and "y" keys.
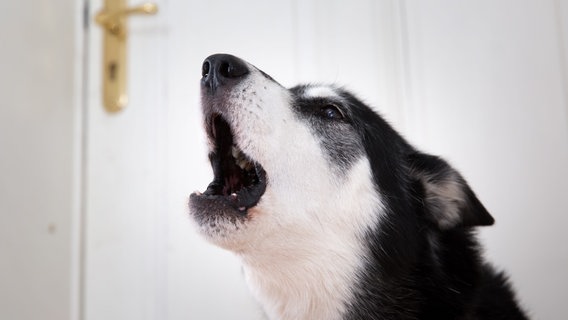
{"x": 220, "y": 69}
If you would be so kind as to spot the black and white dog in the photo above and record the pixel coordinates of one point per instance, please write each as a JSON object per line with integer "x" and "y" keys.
{"x": 334, "y": 214}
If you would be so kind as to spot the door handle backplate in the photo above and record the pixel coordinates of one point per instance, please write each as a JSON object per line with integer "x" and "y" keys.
{"x": 113, "y": 19}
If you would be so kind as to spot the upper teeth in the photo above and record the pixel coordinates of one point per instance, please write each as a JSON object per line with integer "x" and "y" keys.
{"x": 240, "y": 158}
{"x": 235, "y": 152}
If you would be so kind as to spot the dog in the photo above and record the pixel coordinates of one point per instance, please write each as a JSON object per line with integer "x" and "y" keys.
{"x": 333, "y": 214}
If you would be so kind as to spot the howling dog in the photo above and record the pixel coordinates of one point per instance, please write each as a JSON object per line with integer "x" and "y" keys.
{"x": 332, "y": 213}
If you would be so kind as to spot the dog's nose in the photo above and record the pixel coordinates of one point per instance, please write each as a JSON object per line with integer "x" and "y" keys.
{"x": 220, "y": 69}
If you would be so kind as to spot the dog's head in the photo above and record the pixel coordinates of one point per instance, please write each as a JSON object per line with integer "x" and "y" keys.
{"x": 313, "y": 159}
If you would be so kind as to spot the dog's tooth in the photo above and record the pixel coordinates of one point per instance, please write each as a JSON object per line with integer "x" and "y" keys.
{"x": 242, "y": 208}
{"x": 240, "y": 159}
{"x": 243, "y": 164}
{"x": 233, "y": 196}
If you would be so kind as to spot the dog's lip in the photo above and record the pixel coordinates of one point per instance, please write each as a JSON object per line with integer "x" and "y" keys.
{"x": 240, "y": 201}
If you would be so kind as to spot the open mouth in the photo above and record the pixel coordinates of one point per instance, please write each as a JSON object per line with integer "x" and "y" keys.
{"x": 238, "y": 180}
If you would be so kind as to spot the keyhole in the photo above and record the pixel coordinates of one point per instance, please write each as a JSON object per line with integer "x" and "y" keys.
{"x": 112, "y": 70}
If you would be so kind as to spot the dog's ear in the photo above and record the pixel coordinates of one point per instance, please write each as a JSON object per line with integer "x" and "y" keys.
{"x": 448, "y": 200}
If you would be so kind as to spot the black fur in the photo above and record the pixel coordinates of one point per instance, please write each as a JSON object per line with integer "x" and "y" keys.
{"x": 418, "y": 270}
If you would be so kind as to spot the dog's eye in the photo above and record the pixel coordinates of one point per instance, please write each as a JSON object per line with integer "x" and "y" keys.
{"x": 329, "y": 111}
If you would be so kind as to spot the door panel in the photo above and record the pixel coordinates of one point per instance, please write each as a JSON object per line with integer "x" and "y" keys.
{"x": 126, "y": 211}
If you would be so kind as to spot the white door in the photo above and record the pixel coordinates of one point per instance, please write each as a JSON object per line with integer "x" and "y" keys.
{"x": 483, "y": 85}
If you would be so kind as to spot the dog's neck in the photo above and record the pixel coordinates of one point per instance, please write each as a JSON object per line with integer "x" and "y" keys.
{"x": 307, "y": 267}
{"x": 312, "y": 281}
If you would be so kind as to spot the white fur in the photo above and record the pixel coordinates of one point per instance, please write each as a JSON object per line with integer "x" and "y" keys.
{"x": 321, "y": 91}
{"x": 301, "y": 246}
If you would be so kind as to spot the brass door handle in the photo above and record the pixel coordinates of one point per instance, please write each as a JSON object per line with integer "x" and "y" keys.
{"x": 113, "y": 20}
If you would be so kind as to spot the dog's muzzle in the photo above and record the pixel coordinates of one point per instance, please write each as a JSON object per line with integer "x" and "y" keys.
{"x": 239, "y": 181}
